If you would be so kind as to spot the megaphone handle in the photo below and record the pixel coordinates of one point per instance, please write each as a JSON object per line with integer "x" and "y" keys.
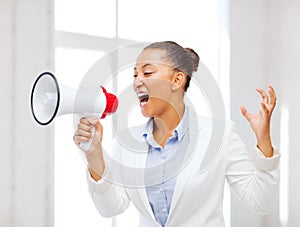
{"x": 85, "y": 146}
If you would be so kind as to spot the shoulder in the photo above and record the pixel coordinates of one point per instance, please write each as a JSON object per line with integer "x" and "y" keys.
{"x": 131, "y": 133}
{"x": 130, "y": 140}
{"x": 219, "y": 137}
{"x": 215, "y": 127}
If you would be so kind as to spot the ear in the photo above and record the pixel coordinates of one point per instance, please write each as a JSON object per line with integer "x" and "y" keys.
{"x": 178, "y": 81}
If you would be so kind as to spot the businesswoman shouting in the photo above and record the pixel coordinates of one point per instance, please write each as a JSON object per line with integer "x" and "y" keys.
{"x": 177, "y": 191}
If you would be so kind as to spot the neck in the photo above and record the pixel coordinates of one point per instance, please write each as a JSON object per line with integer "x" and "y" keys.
{"x": 165, "y": 124}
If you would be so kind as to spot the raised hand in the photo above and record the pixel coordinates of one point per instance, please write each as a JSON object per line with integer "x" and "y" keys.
{"x": 260, "y": 122}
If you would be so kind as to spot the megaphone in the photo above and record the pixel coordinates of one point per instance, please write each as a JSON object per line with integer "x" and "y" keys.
{"x": 50, "y": 99}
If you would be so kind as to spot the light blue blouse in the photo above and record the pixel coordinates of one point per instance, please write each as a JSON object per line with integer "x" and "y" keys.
{"x": 161, "y": 171}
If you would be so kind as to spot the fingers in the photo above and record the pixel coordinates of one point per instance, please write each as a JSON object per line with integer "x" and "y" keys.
{"x": 272, "y": 95}
{"x": 265, "y": 110}
{"x": 268, "y": 99}
{"x": 267, "y": 105}
{"x": 83, "y": 132}
{"x": 84, "y": 126}
{"x": 263, "y": 94}
{"x": 245, "y": 113}
{"x": 79, "y": 139}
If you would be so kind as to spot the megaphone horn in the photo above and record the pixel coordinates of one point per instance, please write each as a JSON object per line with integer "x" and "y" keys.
{"x": 49, "y": 99}
{"x": 45, "y": 98}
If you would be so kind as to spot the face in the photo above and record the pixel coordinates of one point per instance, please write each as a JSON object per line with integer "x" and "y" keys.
{"x": 153, "y": 82}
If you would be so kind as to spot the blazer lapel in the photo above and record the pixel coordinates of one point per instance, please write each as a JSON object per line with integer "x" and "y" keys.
{"x": 190, "y": 160}
{"x": 140, "y": 163}
{"x": 134, "y": 161}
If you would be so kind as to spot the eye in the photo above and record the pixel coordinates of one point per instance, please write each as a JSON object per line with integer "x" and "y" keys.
{"x": 135, "y": 75}
{"x": 147, "y": 73}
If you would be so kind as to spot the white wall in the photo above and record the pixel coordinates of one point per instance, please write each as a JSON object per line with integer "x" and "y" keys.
{"x": 26, "y": 163}
{"x": 266, "y": 50}
{"x": 247, "y": 23}
{"x": 286, "y": 69}
{"x": 6, "y": 94}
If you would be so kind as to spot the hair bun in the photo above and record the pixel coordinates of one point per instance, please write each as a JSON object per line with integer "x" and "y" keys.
{"x": 194, "y": 56}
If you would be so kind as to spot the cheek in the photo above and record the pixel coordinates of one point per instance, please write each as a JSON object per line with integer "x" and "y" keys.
{"x": 160, "y": 90}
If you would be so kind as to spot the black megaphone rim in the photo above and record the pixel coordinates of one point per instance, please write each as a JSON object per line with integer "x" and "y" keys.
{"x": 58, "y": 98}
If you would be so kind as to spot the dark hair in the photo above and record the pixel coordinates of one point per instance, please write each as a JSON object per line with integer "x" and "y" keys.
{"x": 182, "y": 59}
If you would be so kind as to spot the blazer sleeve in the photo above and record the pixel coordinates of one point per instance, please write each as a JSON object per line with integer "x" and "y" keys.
{"x": 109, "y": 198}
{"x": 253, "y": 177}
{"x": 110, "y": 194}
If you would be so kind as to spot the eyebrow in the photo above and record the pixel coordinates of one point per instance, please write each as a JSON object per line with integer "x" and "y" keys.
{"x": 147, "y": 64}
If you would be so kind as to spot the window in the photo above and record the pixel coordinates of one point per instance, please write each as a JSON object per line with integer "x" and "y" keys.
{"x": 86, "y": 30}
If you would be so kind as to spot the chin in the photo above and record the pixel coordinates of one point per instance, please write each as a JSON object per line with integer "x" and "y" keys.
{"x": 146, "y": 113}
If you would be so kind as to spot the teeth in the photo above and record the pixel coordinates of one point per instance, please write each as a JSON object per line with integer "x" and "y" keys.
{"x": 143, "y": 97}
{"x": 141, "y": 94}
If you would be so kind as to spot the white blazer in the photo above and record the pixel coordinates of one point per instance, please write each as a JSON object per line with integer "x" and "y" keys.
{"x": 215, "y": 153}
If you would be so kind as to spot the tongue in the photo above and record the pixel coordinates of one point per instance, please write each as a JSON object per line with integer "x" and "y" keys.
{"x": 144, "y": 98}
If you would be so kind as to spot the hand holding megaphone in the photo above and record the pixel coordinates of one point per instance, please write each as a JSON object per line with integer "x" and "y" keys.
{"x": 49, "y": 99}
{"x": 95, "y": 155}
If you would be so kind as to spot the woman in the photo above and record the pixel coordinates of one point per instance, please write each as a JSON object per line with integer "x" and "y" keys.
{"x": 181, "y": 194}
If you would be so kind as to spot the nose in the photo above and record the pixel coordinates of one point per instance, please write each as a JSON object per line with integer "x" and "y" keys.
{"x": 137, "y": 82}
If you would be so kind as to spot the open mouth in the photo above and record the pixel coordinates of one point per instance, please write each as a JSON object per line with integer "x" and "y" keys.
{"x": 143, "y": 98}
